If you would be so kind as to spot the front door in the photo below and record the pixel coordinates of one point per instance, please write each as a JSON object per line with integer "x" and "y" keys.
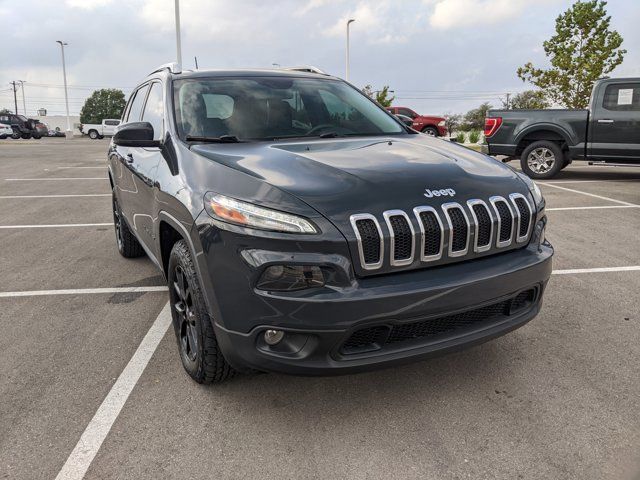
{"x": 616, "y": 126}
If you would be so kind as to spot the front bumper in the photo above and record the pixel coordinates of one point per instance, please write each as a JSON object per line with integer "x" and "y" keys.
{"x": 318, "y": 322}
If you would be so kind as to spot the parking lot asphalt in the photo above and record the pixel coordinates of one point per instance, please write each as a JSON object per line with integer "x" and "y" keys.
{"x": 556, "y": 399}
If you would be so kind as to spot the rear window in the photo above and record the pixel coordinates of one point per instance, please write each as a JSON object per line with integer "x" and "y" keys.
{"x": 622, "y": 97}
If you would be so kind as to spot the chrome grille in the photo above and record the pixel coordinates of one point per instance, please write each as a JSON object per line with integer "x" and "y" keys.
{"x": 451, "y": 231}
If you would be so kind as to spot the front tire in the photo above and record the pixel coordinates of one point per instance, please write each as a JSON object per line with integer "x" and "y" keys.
{"x": 542, "y": 160}
{"x": 127, "y": 243}
{"x": 431, "y": 131}
{"x": 199, "y": 351}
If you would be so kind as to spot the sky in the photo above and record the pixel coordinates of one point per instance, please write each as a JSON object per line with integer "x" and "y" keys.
{"x": 439, "y": 56}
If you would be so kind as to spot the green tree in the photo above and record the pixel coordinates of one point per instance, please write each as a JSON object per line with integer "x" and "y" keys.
{"x": 380, "y": 96}
{"x": 529, "y": 99}
{"x": 582, "y": 50}
{"x": 452, "y": 121}
{"x": 5, "y": 110}
{"x": 105, "y": 103}
{"x": 474, "y": 119}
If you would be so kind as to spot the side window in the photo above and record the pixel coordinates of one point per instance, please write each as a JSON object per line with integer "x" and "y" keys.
{"x": 154, "y": 110}
{"x": 136, "y": 105}
{"x": 406, "y": 112}
{"x": 622, "y": 97}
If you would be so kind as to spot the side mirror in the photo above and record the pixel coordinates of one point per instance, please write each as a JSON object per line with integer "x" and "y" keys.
{"x": 136, "y": 134}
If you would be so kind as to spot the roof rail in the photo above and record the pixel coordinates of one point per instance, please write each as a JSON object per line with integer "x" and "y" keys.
{"x": 173, "y": 67}
{"x": 306, "y": 68}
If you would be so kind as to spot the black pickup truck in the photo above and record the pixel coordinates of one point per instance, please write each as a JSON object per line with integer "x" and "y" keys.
{"x": 548, "y": 140}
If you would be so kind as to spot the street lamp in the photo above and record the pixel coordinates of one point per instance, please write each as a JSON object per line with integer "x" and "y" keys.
{"x": 64, "y": 75}
{"x": 346, "y": 77}
{"x": 178, "y": 43}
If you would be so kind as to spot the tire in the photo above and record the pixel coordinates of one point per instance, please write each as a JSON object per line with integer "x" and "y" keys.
{"x": 127, "y": 243}
{"x": 37, "y": 137}
{"x": 16, "y": 135}
{"x": 542, "y": 160}
{"x": 199, "y": 351}
{"x": 2, "y": 137}
{"x": 431, "y": 131}
{"x": 93, "y": 135}
{"x": 25, "y": 136}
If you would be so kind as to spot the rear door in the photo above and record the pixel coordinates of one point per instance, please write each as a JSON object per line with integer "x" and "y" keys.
{"x": 615, "y": 124}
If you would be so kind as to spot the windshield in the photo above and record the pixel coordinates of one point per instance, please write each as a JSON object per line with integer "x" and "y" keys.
{"x": 265, "y": 108}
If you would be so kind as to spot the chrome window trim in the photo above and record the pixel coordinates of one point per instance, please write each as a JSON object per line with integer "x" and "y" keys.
{"x": 367, "y": 216}
{"x": 470, "y": 204}
{"x": 446, "y": 207}
{"x": 429, "y": 258}
{"x": 513, "y": 197}
{"x": 392, "y": 241}
{"x": 493, "y": 200}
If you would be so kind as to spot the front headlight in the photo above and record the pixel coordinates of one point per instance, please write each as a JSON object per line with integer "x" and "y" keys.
{"x": 533, "y": 188}
{"x": 234, "y": 211}
{"x": 442, "y": 123}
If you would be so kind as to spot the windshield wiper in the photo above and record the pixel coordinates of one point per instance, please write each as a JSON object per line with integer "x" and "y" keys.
{"x": 220, "y": 139}
{"x": 329, "y": 135}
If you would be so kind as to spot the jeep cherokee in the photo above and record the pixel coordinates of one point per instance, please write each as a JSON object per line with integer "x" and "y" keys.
{"x": 304, "y": 229}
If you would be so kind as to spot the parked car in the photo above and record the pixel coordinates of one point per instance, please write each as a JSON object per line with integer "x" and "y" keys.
{"x": 105, "y": 129}
{"x": 5, "y": 131}
{"x": 548, "y": 140}
{"x": 303, "y": 229}
{"x": 22, "y": 126}
{"x": 429, "y": 124}
{"x": 56, "y": 133}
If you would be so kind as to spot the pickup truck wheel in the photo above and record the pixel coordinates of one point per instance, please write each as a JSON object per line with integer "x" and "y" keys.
{"x": 26, "y": 136}
{"x": 128, "y": 244}
{"x": 93, "y": 135}
{"x": 431, "y": 131}
{"x": 542, "y": 160}
{"x": 201, "y": 357}
{"x": 15, "y": 135}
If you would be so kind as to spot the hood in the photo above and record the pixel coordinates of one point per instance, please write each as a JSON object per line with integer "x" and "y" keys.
{"x": 341, "y": 177}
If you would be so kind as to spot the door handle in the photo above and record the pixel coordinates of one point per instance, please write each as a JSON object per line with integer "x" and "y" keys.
{"x": 605, "y": 120}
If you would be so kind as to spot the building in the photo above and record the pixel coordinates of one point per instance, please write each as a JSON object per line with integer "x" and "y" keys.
{"x": 60, "y": 122}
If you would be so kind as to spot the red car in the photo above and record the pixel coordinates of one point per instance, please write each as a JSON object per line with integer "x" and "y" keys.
{"x": 431, "y": 125}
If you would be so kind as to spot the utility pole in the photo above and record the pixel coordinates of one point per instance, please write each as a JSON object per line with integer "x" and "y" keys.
{"x": 346, "y": 76}
{"x": 508, "y": 96}
{"x": 178, "y": 43}
{"x": 15, "y": 98}
{"x": 64, "y": 75}
{"x": 24, "y": 103}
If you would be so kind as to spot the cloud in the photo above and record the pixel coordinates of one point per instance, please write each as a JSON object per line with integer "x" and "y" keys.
{"x": 87, "y": 4}
{"x": 449, "y": 14}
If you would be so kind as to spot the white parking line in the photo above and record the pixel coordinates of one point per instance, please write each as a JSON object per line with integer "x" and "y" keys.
{"x": 597, "y": 270}
{"x": 54, "y": 178}
{"x": 592, "y": 181}
{"x": 101, "y": 168}
{"x": 87, "y": 447}
{"x": 58, "y": 196}
{"x": 61, "y": 225}
{"x": 588, "y": 194}
{"x": 590, "y": 208}
{"x": 81, "y": 291}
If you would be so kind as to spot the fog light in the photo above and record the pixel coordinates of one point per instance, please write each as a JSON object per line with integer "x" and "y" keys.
{"x": 286, "y": 278}
{"x": 273, "y": 337}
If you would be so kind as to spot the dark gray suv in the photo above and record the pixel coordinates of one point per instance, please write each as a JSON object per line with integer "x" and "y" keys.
{"x": 303, "y": 229}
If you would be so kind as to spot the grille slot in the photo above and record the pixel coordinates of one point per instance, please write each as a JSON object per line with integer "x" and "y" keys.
{"x": 431, "y": 231}
{"x": 370, "y": 242}
{"x": 380, "y": 336}
{"x": 458, "y": 229}
{"x": 401, "y": 241}
{"x": 524, "y": 215}
{"x": 484, "y": 225}
{"x": 505, "y": 221}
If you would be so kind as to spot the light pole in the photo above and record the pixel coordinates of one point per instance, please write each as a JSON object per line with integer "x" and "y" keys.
{"x": 64, "y": 75}
{"x": 346, "y": 77}
{"x": 178, "y": 42}
{"x": 24, "y": 105}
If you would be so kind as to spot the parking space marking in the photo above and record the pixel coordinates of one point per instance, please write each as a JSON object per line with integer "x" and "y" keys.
{"x": 590, "y": 208}
{"x": 588, "y": 194}
{"x": 91, "y": 439}
{"x": 81, "y": 291}
{"x": 60, "y": 225}
{"x": 58, "y": 196}
{"x": 101, "y": 168}
{"x": 591, "y": 181}
{"x": 51, "y": 178}
{"x": 597, "y": 270}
